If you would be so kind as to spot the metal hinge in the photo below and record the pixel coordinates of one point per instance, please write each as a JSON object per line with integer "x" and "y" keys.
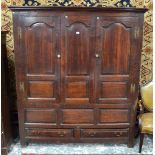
{"x": 132, "y": 88}
{"x": 21, "y": 86}
{"x": 20, "y": 33}
{"x": 136, "y": 33}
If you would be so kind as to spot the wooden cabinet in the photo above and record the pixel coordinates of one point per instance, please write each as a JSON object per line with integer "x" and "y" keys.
{"x": 77, "y": 73}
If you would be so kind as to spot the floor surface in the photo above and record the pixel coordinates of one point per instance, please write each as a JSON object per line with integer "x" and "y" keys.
{"x": 83, "y": 148}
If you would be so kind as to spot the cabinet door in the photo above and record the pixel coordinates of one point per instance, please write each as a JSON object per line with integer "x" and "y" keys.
{"x": 77, "y": 64}
{"x": 40, "y": 47}
{"x": 115, "y": 48}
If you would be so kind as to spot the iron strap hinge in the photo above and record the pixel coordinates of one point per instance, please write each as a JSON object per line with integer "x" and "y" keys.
{"x": 21, "y": 86}
{"x": 136, "y": 32}
{"x": 20, "y": 33}
{"x": 132, "y": 88}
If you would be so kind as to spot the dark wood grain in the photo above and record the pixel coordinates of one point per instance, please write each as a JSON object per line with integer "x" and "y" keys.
{"x": 45, "y": 8}
{"x": 77, "y": 73}
{"x": 6, "y": 129}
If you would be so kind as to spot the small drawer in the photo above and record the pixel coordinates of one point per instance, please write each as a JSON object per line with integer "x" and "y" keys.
{"x": 104, "y": 133}
{"x": 50, "y": 132}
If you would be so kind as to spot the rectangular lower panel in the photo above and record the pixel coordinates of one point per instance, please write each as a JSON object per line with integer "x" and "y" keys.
{"x": 40, "y": 116}
{"x": 78, "y": 116}
{"x": 113, "y": 116}
{"x": 77, "y": 92}
{"x": 77, "y": 89}
{"x": 41, "y": 89}
{"x": 113, "y": 90}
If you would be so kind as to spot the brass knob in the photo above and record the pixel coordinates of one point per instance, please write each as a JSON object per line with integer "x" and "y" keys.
{"x": 58, "y": 56}
{"x": 97, "y": 55}
{"x": 61, "y": 135}
{"x": 118, "y": 135}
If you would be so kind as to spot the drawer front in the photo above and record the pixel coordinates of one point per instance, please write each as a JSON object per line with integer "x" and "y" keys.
{"x": 50, "y": 132}
{"x": 104, "y": 133}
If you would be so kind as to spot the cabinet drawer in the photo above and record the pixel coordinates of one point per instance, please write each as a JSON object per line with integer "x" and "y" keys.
{"x": 50, "y": 132}
{"x": 104, "y": 133}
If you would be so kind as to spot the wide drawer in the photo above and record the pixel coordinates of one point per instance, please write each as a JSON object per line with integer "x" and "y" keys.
{"x": 49, "y": 132}
{"x": 104, "y": 133}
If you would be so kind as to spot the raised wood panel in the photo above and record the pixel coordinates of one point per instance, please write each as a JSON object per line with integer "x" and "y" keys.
{"x": 114, "y": 116}
{"x": 41, "y": 89}
{"x": 115, "y": 49}
{"x": 40, "y": 59}
{"x": 78, "y": 49}
{"x": 113, "y": 90}
{"x": 77, "y": 44}
{"x": 114, "y": 36}
{"x": 77, "y": 89}
{"x": 78, "y": 116}
{"x": 40, "y": 116}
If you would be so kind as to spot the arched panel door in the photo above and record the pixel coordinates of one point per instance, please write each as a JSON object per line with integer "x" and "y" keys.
{"x": 77, "y": 65}
{"x": 40, "y": 39}
{"x": 115, "y": 42}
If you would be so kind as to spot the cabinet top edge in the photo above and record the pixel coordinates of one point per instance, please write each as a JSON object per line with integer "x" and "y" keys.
{"x": 49, "y": 8}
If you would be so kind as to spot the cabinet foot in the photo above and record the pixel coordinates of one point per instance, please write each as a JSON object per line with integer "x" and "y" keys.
{"x": 130, "y": 144}
{"x": 24, "y": 144}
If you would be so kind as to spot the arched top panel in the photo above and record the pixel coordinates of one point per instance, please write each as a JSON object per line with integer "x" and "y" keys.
{"x": 39, "y": 24}
{"x": 78, "y": 23}
{"x": 119, "y": 24}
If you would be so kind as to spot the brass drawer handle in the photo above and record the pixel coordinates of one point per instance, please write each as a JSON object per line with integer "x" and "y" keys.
{"x": 118, "y": 134}
{"x": 35, "y": 132}
{"x": 92, "y": 134}
{"x": 61, "y": 134}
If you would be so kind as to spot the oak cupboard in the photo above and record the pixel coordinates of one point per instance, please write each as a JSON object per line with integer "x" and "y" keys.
{"x": 77, "y": 73}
